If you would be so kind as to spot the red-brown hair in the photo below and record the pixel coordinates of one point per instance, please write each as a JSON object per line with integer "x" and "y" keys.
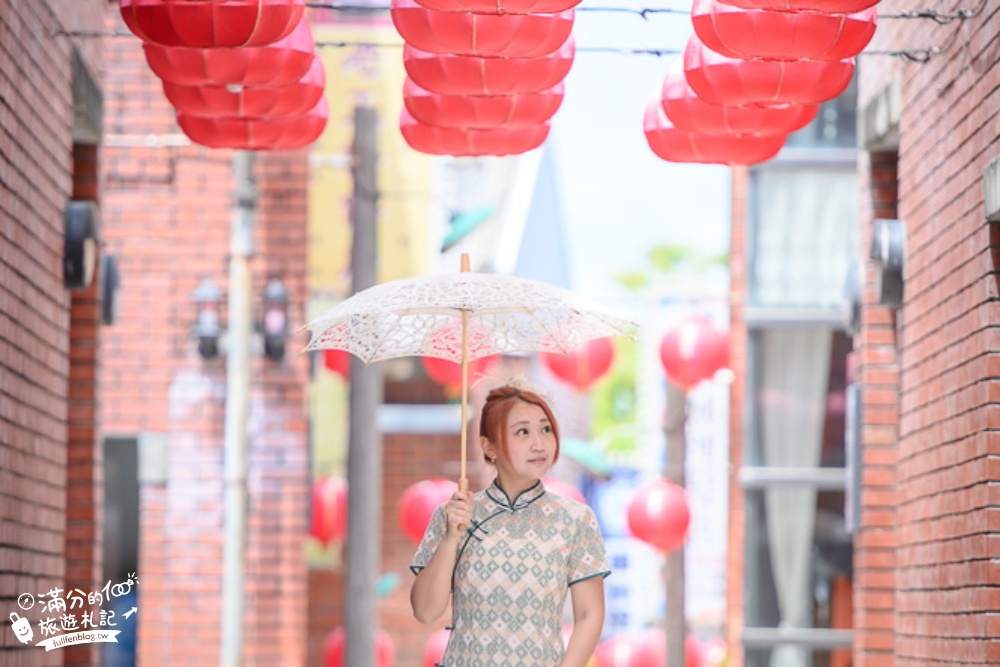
{"x": 496, "y": 410}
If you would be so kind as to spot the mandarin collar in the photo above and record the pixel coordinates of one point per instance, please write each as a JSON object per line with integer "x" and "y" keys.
{"x": 525, "y": 498}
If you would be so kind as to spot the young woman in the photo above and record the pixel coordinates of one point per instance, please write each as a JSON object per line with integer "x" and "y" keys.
{"x": 507, "y": 556}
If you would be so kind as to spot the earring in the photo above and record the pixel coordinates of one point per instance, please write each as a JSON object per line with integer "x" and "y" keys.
{"x": 493, "y": 460}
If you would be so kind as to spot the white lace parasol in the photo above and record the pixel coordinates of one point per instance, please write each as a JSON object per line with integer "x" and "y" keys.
{"x": 422, "y": 316}
{"x": 461, "y": 317}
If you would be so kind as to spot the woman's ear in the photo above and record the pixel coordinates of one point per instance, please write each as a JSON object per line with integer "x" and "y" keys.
{"x": 488, "y": 449}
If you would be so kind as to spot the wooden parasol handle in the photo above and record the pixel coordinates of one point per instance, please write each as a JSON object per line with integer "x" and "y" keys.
{"x": 463, "y": 481}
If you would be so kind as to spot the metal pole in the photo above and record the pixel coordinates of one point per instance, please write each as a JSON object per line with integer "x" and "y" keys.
{"x": 675, "y": 622}
{"x": 237, "y": 409}
{"x": 364, "y": 446}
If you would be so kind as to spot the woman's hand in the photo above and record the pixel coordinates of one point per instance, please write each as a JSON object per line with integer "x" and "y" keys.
{"x": 459, "y": 513}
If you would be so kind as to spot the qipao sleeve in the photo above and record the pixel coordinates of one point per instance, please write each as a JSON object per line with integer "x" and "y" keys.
{"x": 432, "y": 537}
{"x": 588, "y": 557}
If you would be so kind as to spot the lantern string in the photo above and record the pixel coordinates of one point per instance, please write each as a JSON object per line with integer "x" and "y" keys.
{"x": 941, "y": 18}
{"x": 913, "y": 55}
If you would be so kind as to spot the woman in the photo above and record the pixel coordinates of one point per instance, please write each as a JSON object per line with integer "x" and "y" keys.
{"x": 508, "y": 554}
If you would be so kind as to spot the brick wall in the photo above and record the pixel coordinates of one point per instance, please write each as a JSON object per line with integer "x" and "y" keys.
{"x": 39, "y": 350}
{"x": 85, "y": 479}
{"x": 168, "y": 216}
{"x": 948, "y": 359}
{"x": 876, "y": 359}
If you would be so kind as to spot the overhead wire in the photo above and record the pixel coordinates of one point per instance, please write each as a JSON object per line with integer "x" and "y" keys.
{"x": 917, "y": 55}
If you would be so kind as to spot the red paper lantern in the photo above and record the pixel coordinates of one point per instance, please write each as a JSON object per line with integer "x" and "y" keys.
{"x": 826, "y": 6}
{"x": 215, "y": 101}
{"x": 722, "y": 80}
{"x": 418, "y": 502}
{"x": 277, "y": 133}
{"x": 337, "y": 361}
{"x": 659, "y": 515}
{"x": 647, "y": 650}
{"x": 451, "y": 74}
{"x": 630, "y": 651}
{"x": 500, "y": 6}
{"x": 474, "y": 34}
{"x": 689, "y": 113}
{"x": 563, "y": 489}
{"x": 715, "y": 651}
{"x": 693, "y": 351}
{"x": 449, "y": 373}
{"x": 673, "y": 145}
{"x": 278, "y": 64}
{"x": 435, "y": 647}
{"x": 328, "y": 514}
{"x": 583, "y": 366}
{"x": 762, "y": 34}
{"x": 456, "y": 141}
{"x": 481, "y": 111}
{"x": 211, "y": 24}
{"x": 334, "y": 645}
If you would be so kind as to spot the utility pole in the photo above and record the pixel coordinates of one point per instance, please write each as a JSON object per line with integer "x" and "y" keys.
{"x": 237, "y": 409}
{"x": 364, "y": 445}
{"x": 676, "y": 623}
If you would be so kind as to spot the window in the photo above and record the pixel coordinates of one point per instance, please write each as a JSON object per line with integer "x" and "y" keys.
{"x": 801, "y": 237}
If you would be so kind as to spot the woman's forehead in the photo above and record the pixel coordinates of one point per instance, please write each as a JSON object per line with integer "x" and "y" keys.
{"x": 524, "y": 411}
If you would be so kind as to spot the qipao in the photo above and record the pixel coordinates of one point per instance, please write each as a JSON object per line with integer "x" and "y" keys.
{"x": 515, "y": 565}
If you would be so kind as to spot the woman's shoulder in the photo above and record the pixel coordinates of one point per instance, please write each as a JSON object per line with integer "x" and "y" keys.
{"x": 574, "y": 508}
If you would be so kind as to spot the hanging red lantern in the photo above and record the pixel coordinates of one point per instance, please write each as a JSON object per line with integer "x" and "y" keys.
{"x": 449, "y": 373}
{"x": 630, "y": 651}
{"x": 825, "y": 6}
{"x": 277, "y": 133}
{"x": 500, "y": 6}
{"x": 337, "y": 361}
{"x": 451, "y": 74}
{"x": 281, "y": 63}
{"x": 435, "y": 647}
{"x": 728, "y": 81}
{"x": 474, "y": 34}
{"x": 583, "y": 366}
{"x": 693, "y": 351}
{"x": 335, "y": 643}
{"x": 763, "y": 34}
{"x": 481, "y": 111}
{"x": 211, "y": 24}
{"x": 646, "y": 650}
{"x": 563, "y": 489}
{"x": 418, "y": 502}
{"x": 328, "y": 513}
{"x": 231, "y": 101}
{"x": 714, "y": 651}
{"x": 673, "y": 145}
{"x": 659, "y": 515}
{"x": 689, "y": 113}
{"x": 457, "y": 141}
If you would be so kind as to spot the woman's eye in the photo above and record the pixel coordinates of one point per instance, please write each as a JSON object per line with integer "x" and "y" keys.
{"x": 521, "y": 431}
{"x": 546, "y": 429}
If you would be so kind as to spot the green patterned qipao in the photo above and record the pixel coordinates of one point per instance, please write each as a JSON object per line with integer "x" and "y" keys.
{"x": 515, "y": 566}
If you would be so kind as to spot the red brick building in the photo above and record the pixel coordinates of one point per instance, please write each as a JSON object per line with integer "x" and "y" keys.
{"x": 891, "y": 565}
{"x": 50, "y": 456}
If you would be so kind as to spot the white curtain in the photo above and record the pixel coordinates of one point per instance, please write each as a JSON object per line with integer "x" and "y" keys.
{"x": 805, "y": 233}
{"x": 794, "y": 374}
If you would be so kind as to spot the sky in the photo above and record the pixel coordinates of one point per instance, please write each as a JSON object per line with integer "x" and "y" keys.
{"x": 613, "y": 188}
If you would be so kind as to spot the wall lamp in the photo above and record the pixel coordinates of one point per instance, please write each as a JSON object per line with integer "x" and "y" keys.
{"x": 210, "y": 329}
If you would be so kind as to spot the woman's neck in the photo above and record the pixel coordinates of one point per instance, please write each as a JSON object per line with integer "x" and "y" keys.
{"x": 513, "y": 488}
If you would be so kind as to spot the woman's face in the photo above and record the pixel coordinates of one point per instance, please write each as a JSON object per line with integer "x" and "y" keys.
{"x": 531, "y": 444}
